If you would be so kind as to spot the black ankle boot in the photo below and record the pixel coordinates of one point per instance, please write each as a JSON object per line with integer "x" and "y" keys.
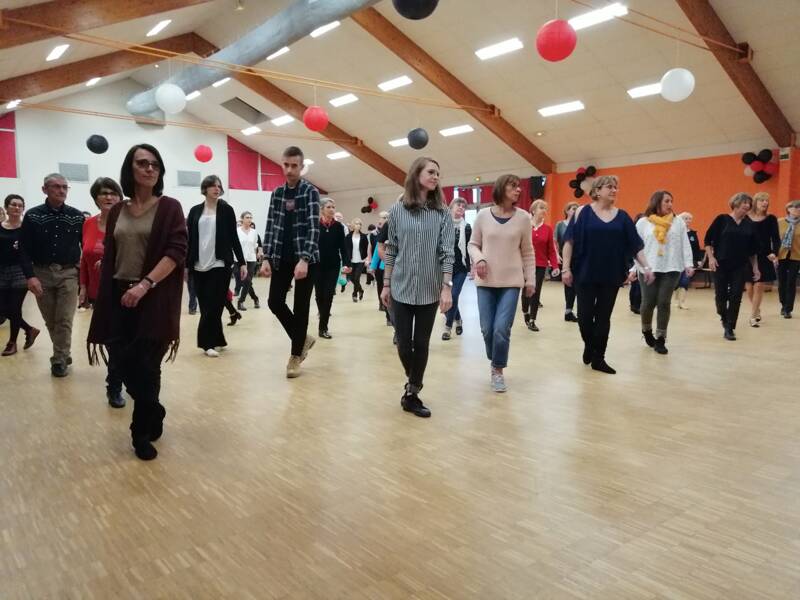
{"x": 144, "y": 449}
{"x": 599, "y": 364}
{"x": 115, "y": 399}
{"x": 729, "y": 335}
{"x": 412, "y": 403}
{"x": 157, "y": 429}
{"x": 660, "y": 345}
{"x": 648, "y": 338}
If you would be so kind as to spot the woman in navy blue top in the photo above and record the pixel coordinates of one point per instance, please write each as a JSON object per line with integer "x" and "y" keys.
{"x": 599, "y": 244}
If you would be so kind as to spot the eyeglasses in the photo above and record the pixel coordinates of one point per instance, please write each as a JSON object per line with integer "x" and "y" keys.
{"x": 58, "y": 186}
{"x": 143, "y": 163}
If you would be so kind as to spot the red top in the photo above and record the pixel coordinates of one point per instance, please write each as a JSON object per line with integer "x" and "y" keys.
{"x": 93, "y": 251}
{"x": 545, "y": 246}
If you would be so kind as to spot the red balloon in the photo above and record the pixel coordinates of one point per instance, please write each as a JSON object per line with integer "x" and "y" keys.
{"x": 771, "y": 168}
{"x": 757, "y": 166}
{"x": 580, "y": 170}
{"x": 315, "y": 118}
{"x": 203, "y": 153}
{"x": 556, "y": 40}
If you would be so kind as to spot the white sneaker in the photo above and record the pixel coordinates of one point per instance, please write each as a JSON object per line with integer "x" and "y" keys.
{"x": 211, "y": 353}
{"x": 498, "y": 382}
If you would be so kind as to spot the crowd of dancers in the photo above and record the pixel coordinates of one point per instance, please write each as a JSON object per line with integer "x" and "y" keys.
{"x": 130, "y": 261}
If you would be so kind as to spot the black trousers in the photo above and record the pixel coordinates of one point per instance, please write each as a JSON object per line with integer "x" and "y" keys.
{"x": 139, "y": 364}
{"x": 11, "y": 307}
{"x": 379, "y": 286}
{"x": 295, "y": 322}
{"x": 787, "y": 282}
{"x": 728, "y": 288}
{"x": 113, "y": 372}
{"x": 413, "y": 325}
{"x": 355, "y": 277}
{"x": 569, "y": 297}
{"x": 245, "y": 287}
{"x": 635, "y": 295}
{"x": 530, "y": 306}
{"x": 595, "y": 305}
{"x": 325, "y": 289}
{"x": 212, "y": 288}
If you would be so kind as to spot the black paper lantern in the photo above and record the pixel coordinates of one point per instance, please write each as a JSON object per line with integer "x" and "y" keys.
{"x": 365, "y": 209}
{"x": 415, "y": 9}
{"x": 761, "y": 176}
{"x": 97, "y": 144}
{"x": 748, "y": 157}
{"x": 580, "y": 176}
{"x": 418, "y": 138}
{"x": 574, "y": 184}
{"x": 765, "y": 155}
{"x": 578, "y": 193}
{"x": 591, "y": 171}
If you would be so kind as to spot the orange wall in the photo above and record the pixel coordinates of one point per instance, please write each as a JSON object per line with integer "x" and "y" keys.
{"x": 701, "y": 186}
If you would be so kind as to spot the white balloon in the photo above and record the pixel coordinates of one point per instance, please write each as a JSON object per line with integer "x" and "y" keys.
{"x": 304, "y": 171}
{"x": 677, "y": 84}
{"x": 586, "y": 185}
{"x": 748, "y": 171}
{"x": 170, "y": 98}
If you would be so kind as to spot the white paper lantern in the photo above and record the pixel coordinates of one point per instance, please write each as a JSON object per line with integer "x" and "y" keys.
{"x": 304, "y": 171}
{"x": 170, "y": 98}
{"x": 677, "y": 84}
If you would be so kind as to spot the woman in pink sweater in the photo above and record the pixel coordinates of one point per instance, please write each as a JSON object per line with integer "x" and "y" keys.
{"x": 502, "y": 253}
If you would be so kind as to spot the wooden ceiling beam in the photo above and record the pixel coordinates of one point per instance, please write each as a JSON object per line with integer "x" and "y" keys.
{"x": 50, "y": 80}
{"x": 77, "y": 15}
{"x": 739, "y": 68}
{"x": 399, "y": 43}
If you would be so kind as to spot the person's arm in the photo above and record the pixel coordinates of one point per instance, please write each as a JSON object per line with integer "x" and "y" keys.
{"x": 446, "y": 249}
{"x": 388, "y": 255}
{"x": 774, "y": 239}
{"x": 475, "y": 248}
{"x": 266, "y": 269}
{"x": 636, "y": 245}
{"x": 686, "y": 248}
{"x": 552, "y": 255}
{"x": 348, "y": 251}
{"x": 311, "y": 245}
{"x": 528, "y": 254}
{"x": 567, "y": 249}
{"x": 237, "y": 244}
{"x": 711, "y": 240}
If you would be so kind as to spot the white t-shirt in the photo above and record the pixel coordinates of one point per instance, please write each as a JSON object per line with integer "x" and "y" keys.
{"x": 249, "y": 242}
{"x": 207, "y": 240}
{"x": 357, "y": 258}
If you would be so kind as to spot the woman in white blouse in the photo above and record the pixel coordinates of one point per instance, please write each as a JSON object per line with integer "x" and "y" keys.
{"x": 668, "y": 252}
{"x": 248, "y": 238}
{"x": 356, "y": 246}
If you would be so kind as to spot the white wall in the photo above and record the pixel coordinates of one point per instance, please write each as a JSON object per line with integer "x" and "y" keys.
{"x": 46, "y": 138}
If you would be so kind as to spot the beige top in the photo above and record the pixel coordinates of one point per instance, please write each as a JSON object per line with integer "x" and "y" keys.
{"x": 131, "y": 236}
{"x": 506, "y": 248}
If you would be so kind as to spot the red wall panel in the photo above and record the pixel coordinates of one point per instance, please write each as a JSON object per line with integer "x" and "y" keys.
{"x": 8, "y": 154}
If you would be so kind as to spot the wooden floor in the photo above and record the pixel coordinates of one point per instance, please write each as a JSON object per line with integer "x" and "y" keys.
{"x": 678, "y": 478}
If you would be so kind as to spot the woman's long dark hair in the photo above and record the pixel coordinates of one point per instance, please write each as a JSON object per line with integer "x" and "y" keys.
{"x": 655, "y": 202}
{"x": 126, "y": 180}
{"x": 413, "y": 190}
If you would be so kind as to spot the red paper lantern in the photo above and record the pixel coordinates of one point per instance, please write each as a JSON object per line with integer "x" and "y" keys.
{"x": 757, "y": 166}
{"x": 203, "y": 153}
{"x": 580, "y": 170}
{"x": 556, "y": 40}
{"x": 315, "y": 118}
{"x": 771, "y": 168}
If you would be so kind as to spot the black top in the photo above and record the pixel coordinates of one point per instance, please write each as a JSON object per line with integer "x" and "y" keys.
{"x": 52, "y": 236}
{"x": 288, "y": 224}
{"x": 461, "y": 263}
{"x": 227, "y": 239}
{"x": 331, "y": 246}
{"x": 769, "y": 242}
{"x": 694, "y": 243}
{"x": 363, "y": 247}
{"x": 733, "y": 244}
{"x": 9, "y": 249}
{"x": 383, "y": 233}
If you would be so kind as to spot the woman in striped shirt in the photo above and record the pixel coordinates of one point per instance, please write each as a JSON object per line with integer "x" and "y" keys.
{"x": 419, "y": 272}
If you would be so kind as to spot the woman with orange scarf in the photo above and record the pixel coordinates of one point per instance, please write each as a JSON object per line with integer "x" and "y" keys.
{"x": 668, "y": 252}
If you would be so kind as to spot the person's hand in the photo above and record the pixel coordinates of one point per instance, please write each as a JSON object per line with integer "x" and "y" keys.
{"x": 700, "y": 264}
{"x": 347, "y": 270}
{"x": 131, "y": 298}
{"x": 690, "y": 272}
{"x": 555, "y": 272}
{"x": 631, "y": 277}
{"x": 530, "y": 290}
{"x": 301, "y": 270}
{"x": 756, "y": 274}
{"x": 371, "y": 271}
{"x": 774, "y": 259}
{"x": 386, "y": 296}
{"x": 243, "y": 272}
{"x": 445, "y": 299}
{"x": 98, "y": 264}
{"x": 649, "y": 277}
{"x": 482, "y": 269}
{"x": 82, "y": 296}
{"x": 266, "y": 270}
{"x": 712, "y": 263}
{"x": 566, "y": 278}
{"x": 35, "y": 287}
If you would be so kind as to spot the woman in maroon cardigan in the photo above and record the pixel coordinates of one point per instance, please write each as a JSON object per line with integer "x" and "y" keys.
{"x": 137, "y": 313}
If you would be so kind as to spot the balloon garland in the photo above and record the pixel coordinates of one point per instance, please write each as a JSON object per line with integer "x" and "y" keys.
{"x": 582, "y": 183}
{"x": 759, "y": 166}
{"x": 371, "y": 205}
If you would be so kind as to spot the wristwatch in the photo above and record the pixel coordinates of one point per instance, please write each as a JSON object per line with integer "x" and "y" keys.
{"x": 150, "y": 281}
{"x": 448, "y": 283}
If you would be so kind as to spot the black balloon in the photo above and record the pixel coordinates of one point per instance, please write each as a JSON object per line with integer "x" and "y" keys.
{"x": 761, "y": 177}
{"x": 415, "y": 9}
{"x": 418, "y": 138}
{"x": 578, "y": 193}
{"x": 748, "y": 157}
{"x": 574, "y": 184}
{"x": 580, "y": 176}
{"x": 365, "y": 209}
{"x": 97, "y": 144}
{"x": 765, "y": 155}
{"x": 591, "y": 171}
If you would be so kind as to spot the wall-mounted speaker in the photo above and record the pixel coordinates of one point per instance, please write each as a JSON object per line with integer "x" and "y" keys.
{"x": 537, "y": 184}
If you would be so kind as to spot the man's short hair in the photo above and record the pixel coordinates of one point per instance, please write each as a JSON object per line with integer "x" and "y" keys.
{"x": 53, "y": 176}
{"x": 292, "y": 151}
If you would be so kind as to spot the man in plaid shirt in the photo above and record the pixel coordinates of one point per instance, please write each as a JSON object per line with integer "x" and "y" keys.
{"x": 291, "y": 250}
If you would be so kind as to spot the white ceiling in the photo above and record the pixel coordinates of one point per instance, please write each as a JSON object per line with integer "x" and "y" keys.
{"x": 609, "y": 59}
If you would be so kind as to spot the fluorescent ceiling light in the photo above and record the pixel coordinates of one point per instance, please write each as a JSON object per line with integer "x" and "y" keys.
{"x": 278, "y": 53}
{"x": 395, "y": 83}
{"x": 500, "y": 48}
{"x": 280, "y": 121}
{"x": 398, "y": 142}
{"x": 57, "y": 52}
{"x": 308, "y": 161}
{"x": 251, "y": 130}
{"x": 560, "y": 109}
{"x": 346, "y": 99}
{"x": 159, "y": 28}
{"x": 222, "y": 81}
{"x": 338, "y": 155}
{"x": 645, "y": 90}
{"x": 324, "y": 29}
{"x": 13, "y": 104}
{"x": 93, "y": 81}
{"x": 601, "y": 15}
{"x": 193, "y": 95}
{"x": 456, "y": 130}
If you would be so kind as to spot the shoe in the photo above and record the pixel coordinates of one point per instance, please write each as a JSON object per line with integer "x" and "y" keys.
{"x": 158, "y": 426}
{"x": 570, "y": 317}
{"x": 211, "y": 353}
{"x": 527, "y": 318}
{"x": 648, "y": 338}
{"x": 532, "y": 325}
{"x": 541, "y": 305}
{"x": 783, "y": 312}
{"x": 660, "y": 345}
{"x": 144, "y": 449}
{"x": 787, "y": 315}
{"x": 729, "y": 335}
{"x": 355, "y": 298}
{"x": 600, "y": 364}
{"x": 754, "y": 322}
{"x": 11, "y": 348}
{"x": 30, "y": 337}
{"x": 293, "y": 367}
{"x": 587, "y": 355}
{"x": 411, "y": 403}
{"x": 498, "y": 382}
{"x": 307, "y": 345}
{"x": 115, "y": 399}
{"x": 360, "y": 295}
{"x": 256, "y": 304}
{"x": 240, "y": 306}
{"x": 446, "y": 335}
{"x": 636, "y": 311}
{"x": 459, "y": 328}
{"x": 58, "y": 370}
{"x": 325, "y": 335}
{"x": 192, "y": 312}
{"x": 343, "y": 289}
{"x": 758, "y": 316}
{"x": 237, "y": 316}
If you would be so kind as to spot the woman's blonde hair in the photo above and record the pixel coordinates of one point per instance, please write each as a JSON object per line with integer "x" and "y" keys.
{"x": 411, "y": 196}
{"x": 758, "y": 197}
{"x": 325, "y": 201}
{"x": 686, "y": 215}
{"x": 568, "y": 206}
{"x": 600, "y": 182}
{"x": 536, "y": 204}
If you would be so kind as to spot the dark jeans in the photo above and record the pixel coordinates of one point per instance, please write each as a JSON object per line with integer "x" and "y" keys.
{"x": 728, "y": 287}
{"x": 413, "y": 325}
{"x": 530, "y": 306}
{"x": 459, "y": 277}
{"x": 787, "y": 282}
{"x": 325, "y": 289}
{"x": 245, "y": 287}
{"x": 569, "y": 297}
{"x": 658, "y": 295}
{"x": 595, "y": 305}
{"x": 11, "y": 307}
{"x": 294, "y": 323}
{"x": 355, "y": 277}
{"x": 113, "y": 371}
{"x": 212, "y": 288}
{"x": 191, "y": 290}
{"x": 379, "y": 286}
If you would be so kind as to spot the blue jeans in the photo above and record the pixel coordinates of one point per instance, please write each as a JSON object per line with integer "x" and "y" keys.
{"x": 453, "y": 313}
{"x": 496, "y": 307}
